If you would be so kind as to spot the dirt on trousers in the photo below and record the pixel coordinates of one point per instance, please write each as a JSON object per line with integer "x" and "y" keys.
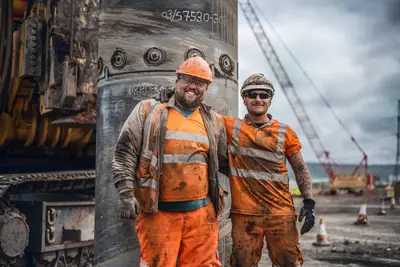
{"x": 375, "y": 244}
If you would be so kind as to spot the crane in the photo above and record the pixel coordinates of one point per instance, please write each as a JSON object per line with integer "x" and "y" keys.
{"x": 295, "y": 102}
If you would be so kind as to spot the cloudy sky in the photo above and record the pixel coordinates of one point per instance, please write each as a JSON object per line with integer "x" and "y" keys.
{"x": 351, "y": 50}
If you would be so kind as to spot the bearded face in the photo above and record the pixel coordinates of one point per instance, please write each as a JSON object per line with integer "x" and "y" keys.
{"x": 190, "y": 91}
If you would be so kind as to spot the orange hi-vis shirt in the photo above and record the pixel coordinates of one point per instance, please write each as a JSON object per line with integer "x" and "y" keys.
{"x": 257, "y": 160}
{"x": 185, "y": 169}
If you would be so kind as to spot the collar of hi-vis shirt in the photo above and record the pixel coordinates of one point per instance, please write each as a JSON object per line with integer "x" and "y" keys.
{"x": 172, "y": 104}
{"x": 184, "y": 111}
{"x": 268, "y": 123}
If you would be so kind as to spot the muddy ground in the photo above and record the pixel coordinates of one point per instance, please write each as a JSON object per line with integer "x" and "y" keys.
{"x": 376, "y": 244}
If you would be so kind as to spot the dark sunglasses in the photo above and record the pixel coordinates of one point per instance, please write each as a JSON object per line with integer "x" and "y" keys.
{"x": 253, "y": 95}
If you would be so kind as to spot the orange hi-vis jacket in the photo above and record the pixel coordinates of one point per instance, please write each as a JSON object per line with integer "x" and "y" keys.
{"x": 257, "y": 160}
{"x": 151, "y": 145}
{"x": 186, "y": 150}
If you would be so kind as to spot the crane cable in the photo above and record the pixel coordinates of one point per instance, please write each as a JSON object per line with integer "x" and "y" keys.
{"x": 309, "y": 79}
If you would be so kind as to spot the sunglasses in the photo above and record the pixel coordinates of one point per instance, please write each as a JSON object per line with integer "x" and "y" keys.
{"x": 253, "y": 95}
{"x": 189, "y": 80}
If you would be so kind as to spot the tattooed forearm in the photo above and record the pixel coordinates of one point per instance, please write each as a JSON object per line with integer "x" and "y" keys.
{"x": 302, "y": 174}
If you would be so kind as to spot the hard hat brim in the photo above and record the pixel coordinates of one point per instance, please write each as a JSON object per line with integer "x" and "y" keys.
{"x": 197, "y": 76}
{"x": 257, "y": 87}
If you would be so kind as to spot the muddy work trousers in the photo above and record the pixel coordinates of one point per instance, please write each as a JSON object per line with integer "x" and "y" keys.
{"x": 192, "y": 236}
{"x": 280, "y": 234}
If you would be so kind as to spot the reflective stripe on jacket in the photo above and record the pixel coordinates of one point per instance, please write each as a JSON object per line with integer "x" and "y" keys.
{"x": 257, "y": 162}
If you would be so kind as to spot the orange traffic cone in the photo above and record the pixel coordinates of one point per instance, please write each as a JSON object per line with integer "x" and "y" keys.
{"x": 382, "y": 210}
{"x": 322, "y": 236}
{"x": 362, "y": 215}
{"x": 393, "y": 204}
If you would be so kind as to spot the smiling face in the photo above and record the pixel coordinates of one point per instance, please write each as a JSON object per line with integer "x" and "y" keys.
{"x": 190, "y": 91}
{"x": 257, "y": 102}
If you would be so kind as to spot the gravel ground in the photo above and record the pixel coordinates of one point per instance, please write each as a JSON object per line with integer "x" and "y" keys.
{"x": 376, "y": 244}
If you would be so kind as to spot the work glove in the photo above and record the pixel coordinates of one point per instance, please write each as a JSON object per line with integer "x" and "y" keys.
{"x": 307, "y": 211}
{"x": 164, "y": 95}
{"x": 129, "y": 206}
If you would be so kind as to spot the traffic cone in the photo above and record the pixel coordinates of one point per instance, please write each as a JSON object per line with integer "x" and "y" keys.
{"x": 382, "y": 210}
{"x": 362, "y": 215}
{"x": 322, "y": 236}
{"x": 393, "y": 204}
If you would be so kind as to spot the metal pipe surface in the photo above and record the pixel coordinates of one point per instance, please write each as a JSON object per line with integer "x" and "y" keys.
{"x": 141, "y": 44}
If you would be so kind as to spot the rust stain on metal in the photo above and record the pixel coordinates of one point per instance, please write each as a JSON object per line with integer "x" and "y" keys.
{"x": 86, "y": 117}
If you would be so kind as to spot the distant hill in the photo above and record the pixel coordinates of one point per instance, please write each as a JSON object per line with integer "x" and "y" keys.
{"x": 385, "y": 172}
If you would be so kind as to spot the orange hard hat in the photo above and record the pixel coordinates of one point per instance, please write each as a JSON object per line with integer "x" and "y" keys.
{"x": 196, "y": 67}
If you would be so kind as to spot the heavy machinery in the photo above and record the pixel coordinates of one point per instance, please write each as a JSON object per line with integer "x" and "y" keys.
{"x": 47, "y": 132}
{"x": 51, "y": 61}
{"x": 338, "y": 179}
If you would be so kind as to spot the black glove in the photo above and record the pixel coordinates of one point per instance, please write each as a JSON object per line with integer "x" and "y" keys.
{"x": 308, "y": 211}
{"x": 164, "y": 95}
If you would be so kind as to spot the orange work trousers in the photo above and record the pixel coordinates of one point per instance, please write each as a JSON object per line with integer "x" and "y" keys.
{"x": 192, "y": 236}
{"x": 280, "y": 233}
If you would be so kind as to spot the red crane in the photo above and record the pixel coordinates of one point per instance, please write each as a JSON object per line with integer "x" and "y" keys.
{"x": 281, "y": 75}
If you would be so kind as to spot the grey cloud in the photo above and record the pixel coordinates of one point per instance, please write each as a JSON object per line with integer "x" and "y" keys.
{"x": 350, "y": 49}
{"x": 393, "y": 12}
{"x": 384, "y": 126}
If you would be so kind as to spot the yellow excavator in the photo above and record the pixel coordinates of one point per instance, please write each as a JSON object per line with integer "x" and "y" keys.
{"x": 47, "y": 133}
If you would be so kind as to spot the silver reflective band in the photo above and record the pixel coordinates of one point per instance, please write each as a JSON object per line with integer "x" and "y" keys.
{"x": 147, "y": 153}
{"x": 187, "y": 137}
{"x": 252, "y": 152}
{"x": 143, "y": 265}
{"x": 148, "y": 183}
{"x": 154, "y": 161}
{"x": 171, "y": 158}
{"x": 256, "y": 152}
{"x": 146, "y": 130}
{"x": 298, "y": 265}
{"x": 235, "y": 131}
{"x": 259, "y": 175}
{"x": 281, "y": 138}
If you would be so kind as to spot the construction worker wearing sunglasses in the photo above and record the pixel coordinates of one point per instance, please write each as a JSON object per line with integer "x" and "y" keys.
{"x": 262, "y": 205}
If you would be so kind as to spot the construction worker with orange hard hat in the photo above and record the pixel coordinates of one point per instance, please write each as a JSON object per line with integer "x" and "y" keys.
{"x": 165, "y": 170}
{"x": 262, "y": 205}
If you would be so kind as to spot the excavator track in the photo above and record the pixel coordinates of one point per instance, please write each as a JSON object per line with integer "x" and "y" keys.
{"x": 47, "y": 181}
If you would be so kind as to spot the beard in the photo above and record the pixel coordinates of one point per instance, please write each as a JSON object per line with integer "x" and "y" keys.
{"x": 189, "y": 104}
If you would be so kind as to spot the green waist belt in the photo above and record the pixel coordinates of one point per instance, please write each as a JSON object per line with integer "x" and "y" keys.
{"x": 183, "y": 205}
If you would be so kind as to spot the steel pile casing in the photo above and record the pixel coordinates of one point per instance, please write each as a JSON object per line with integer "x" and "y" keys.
{"x": 140, "y": 46}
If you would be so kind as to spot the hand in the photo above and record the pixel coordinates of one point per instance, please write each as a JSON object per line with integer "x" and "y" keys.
{"x": 164, "y": 95}
{"x": 308, "y": 211}
{"x": 129, "y": 207}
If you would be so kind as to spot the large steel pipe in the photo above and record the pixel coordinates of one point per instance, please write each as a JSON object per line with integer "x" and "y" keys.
{"x": 141, "y": 44}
